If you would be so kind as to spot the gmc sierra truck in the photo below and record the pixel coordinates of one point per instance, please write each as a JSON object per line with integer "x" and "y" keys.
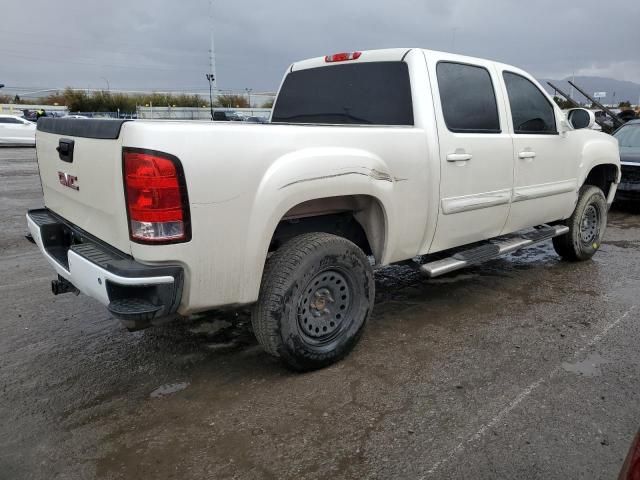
{"x": 370, "y": 158}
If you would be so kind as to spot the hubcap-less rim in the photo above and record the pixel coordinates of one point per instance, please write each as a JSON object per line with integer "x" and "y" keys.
{"x": 324, "y": 305}
{"x": 590, "y": 225}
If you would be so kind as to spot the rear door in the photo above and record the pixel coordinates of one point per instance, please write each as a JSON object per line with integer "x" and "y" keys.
{"x": 476, "y": 151}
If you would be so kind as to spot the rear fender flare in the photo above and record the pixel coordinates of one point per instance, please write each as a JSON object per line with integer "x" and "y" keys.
{"x": 311, "y": 174}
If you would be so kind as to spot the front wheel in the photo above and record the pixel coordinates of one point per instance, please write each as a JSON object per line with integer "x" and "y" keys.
{"x": 586, "y": 226}
{"x": 317, "y": 293}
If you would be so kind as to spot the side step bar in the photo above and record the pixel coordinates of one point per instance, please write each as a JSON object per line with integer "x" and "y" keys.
{"x": 493, "y": 249}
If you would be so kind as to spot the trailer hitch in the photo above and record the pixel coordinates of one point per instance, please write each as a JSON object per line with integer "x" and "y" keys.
{"x": 62, "y": 285}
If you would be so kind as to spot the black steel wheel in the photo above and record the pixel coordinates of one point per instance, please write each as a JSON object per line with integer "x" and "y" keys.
{"x": 324, "y": 307}
{"x": 317, "y": 293}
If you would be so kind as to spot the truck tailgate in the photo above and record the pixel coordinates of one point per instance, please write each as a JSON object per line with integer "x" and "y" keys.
{"x": 85, "y": 187}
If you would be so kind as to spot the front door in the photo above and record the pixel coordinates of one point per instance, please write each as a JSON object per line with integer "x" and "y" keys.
{"x": 546, "y": 163}
{"x": 476, "y": 152}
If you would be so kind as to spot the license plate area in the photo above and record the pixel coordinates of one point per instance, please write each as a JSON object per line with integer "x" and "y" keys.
{"x": 57, "y": 239}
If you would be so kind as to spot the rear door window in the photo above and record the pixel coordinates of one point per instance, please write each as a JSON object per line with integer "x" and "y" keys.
{"x": 531, "y": 110}
{"x": 468, "y": 98}
{"x": 369, "y": 93}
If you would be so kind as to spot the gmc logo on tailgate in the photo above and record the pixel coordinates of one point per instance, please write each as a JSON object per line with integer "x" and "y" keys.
{"x": 68, "y": 180}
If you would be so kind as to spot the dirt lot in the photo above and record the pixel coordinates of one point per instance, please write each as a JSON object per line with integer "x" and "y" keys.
{"x": 526, "y": 367}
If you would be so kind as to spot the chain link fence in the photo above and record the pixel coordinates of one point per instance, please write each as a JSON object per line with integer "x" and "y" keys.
{"x": 189, "y": 113}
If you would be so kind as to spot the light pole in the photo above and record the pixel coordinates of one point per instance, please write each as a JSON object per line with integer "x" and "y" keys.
{"x": 249, "y": 90}
{"x": 107, "y": 81}
{"x": 211, "y": 79}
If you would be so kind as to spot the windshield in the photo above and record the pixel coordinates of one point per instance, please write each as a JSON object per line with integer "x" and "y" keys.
{"x": 629, "y": 136}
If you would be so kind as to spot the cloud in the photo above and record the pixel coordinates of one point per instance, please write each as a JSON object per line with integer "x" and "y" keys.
{"x": 151, "y": 44}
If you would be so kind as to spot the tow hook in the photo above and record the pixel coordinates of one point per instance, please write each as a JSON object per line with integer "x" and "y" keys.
{"x": 62, "y": 285}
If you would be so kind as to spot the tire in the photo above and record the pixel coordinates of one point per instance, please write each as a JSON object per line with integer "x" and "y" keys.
{"x": 586, "y": 224}
{"x": 316, "y": 296}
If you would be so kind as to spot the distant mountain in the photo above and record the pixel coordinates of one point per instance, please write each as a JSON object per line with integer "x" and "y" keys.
{"x": 617, "y": 91}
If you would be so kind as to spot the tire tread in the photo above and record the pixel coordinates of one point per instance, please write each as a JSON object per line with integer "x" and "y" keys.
{"x": 279, "y": 269}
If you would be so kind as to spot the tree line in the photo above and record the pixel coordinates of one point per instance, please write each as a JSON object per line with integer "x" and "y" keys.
{"x": 105, "y": 101}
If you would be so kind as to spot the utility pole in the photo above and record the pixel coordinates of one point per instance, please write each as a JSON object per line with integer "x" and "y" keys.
{"x": 107, "y": 81}
{"x": 574, "y": 79}
{"x": 249, "y": 90}
{"x": 212, "y": 76}
{"x": 211, "y": 79}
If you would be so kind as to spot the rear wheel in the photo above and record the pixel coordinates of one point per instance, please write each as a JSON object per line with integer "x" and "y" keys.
{"x": 317, "y": 293}
{"x": 586, "y": 225}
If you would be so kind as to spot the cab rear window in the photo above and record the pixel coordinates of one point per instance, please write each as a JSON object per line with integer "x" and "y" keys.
{"x": 373, "y": 93}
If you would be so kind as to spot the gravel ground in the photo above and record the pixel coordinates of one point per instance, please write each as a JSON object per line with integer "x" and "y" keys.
{"x": 525, "y": 367}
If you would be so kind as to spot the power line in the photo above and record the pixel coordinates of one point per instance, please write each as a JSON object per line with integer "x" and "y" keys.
{"x": 97, "y": 64}
{"x": 58, "y": 47}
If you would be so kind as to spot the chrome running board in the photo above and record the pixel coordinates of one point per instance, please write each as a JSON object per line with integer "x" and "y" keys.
{"x": 490, "y": 250}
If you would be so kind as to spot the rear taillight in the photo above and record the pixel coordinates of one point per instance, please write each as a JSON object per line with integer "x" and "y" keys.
{"x": 156, "y": 197}
{"x": 342, "y": 57}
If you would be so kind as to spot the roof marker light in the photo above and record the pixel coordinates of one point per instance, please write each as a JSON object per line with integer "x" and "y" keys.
{"x": 342, "y": 57}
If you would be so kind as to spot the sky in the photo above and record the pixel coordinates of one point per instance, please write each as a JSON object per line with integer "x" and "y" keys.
{"x": 164, "y": 45}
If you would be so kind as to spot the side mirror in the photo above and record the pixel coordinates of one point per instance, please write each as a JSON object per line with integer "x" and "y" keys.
{"x": 581, "y": 118}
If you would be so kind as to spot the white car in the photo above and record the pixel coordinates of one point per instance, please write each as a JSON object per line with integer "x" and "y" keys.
{"x": 381, "y": 157}
{"x": 15, "y": 130}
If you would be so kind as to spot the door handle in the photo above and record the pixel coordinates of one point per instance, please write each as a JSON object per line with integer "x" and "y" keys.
{"x": 459, "y": 157}
{"x": 527, "y": 154}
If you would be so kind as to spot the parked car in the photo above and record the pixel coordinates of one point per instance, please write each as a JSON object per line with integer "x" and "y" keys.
{"x": 15, "y": 130}
{"x": 235, "y": 117}
{"x": 627, "y": 115}
{"x": 629, "y": 140}
{"x": 256, "y": 120}
{"x": 371, "y": 157}
{"x": 30, "y": 115}
{"x": 221, "y": 116}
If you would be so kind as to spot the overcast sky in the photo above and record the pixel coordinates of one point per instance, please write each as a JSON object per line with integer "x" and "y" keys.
{"x": 154, "y": 44}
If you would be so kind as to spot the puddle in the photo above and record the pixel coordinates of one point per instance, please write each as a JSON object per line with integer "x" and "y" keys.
{"x": 589, "y": 367}
{"x": 622, "y": 243}
{"x": 222, "y": 347}
{"x": 454, "y": 279}
{"x": 211, "y": 328}
{"x": 168, "y": 389}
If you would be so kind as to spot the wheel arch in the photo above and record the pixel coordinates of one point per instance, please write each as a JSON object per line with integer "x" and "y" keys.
{"x": 358, "y": 218}
{"x": 319, "y": 182}
{"x": 600, "y": 164}
{"x": 603, "y": 176}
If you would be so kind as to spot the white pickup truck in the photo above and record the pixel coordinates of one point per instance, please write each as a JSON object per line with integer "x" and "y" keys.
{"x": 370, "y": 158}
